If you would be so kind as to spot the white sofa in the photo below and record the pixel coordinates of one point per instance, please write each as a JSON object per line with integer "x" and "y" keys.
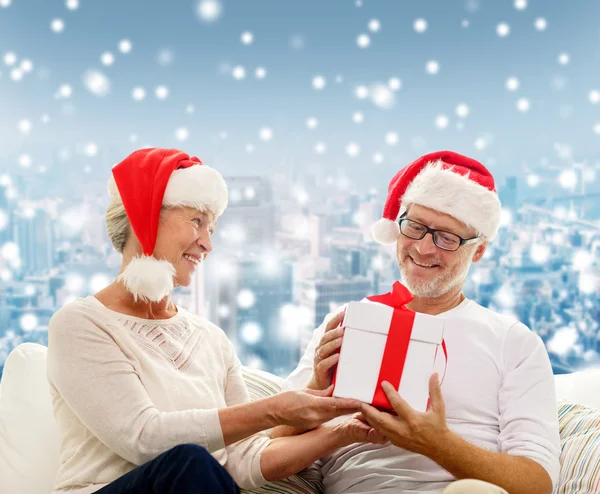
{"x": 29, "y": 439}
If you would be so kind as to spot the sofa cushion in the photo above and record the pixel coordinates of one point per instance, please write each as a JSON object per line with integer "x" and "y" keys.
{"x": 310, "y": 480}
{"x": 579, "y": 387}
{"x": 29, "y": 439}
{"x": 580, "y": 449}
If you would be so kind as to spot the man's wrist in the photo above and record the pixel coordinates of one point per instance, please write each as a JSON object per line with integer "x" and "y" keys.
{"x": 440, "y": 450}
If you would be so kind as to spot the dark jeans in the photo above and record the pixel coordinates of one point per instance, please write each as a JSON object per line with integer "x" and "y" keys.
{"x": 184, "y": 469}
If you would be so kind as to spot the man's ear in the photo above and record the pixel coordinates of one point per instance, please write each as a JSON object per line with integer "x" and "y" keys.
{"x": 481, "y": 248}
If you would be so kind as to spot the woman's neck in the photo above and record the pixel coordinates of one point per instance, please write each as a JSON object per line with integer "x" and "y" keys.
{"x": 116, "y": 297}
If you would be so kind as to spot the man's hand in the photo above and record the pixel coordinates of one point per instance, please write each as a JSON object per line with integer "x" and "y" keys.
{"x": 422, "y": 433}
{"x": 327, "y": 353}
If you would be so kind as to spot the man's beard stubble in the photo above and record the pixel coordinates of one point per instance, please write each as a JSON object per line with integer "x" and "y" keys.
{"x": 447, "y": 278}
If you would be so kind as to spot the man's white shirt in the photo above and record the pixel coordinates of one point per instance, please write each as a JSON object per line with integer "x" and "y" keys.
{"x": 499, "y": 395}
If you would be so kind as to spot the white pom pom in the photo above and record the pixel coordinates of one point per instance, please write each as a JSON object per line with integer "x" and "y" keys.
{"x": 148, "y": 278}
{"x": 385, "y": 231}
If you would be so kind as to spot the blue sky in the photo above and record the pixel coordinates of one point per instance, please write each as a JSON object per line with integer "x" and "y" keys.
{"x": 294, "y": 41}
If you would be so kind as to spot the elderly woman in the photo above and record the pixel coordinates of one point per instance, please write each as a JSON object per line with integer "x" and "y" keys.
{"x": 150, "y": 398}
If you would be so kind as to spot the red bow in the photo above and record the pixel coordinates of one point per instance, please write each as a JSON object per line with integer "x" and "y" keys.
{"x": 397, "y": 298}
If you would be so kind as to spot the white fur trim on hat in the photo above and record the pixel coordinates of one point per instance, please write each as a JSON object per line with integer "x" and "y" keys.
{"x": 385, "y": 231}
{"x": 456, "y": 195}
{"x": 199, "y": 187}
{"x": 148, "y": 278}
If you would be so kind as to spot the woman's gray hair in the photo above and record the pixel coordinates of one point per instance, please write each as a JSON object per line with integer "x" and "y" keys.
{"x": 117, "y": 222}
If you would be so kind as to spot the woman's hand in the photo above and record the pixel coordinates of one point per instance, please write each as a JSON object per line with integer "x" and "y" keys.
{"x": 327, "y": 353}
{"x": 307, "y": 409}
{"x": 357, "y": 430}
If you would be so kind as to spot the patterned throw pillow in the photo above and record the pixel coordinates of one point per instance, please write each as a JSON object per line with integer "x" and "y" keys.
{"x": 261, "y": 384}
{"x": 580, "y": 449}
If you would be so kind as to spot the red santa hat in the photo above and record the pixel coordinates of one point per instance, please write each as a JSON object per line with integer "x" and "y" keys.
{"x": 147, "y": 180}
{"x": 446, "y": 182}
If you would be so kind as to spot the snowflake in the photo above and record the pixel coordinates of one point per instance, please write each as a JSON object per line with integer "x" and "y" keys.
{"x": 246, "y": 299}
{"x": 352, "y": 149}
{"x": 462, "y": 110}
{"x": 312, "y": 122}
{"x": 107, "y": 58}
{"x": 361, "y": 92}
{"x": 209, "y": 10}
{"x": 363, "y": 40}
{"x": 260, "y": 72}
{"x": 57, "y": 25}
{"x": 374, "y": 25}
{"x": 91, "y": 149}
{"x": 520, "y": 4}
{"x": 161, "y": 92}
{"x": 512, "y": 84}
{"x": 125, "y": 46}
{"x": 96, "y": 83}
{"x": 247, "y": 38}
{"x": 239, "y": 72}
{"x": 541, "y": 24}
{"x": 392, "y": 138}
{"x": 441, "y": 121}
{"x": 181, "y": 134}
{"x": 432, "y": 67}
{"x": 420, "y": 25}
{"x": 138, "y": 93}
{"x": 382, "y": 96}
{"x": 319, "y": 82}
{"x": 394, "y": 84}
{"x": 503, "y": 30}
{"x": 265, "y": 134}
{"x": 523, "y": 105}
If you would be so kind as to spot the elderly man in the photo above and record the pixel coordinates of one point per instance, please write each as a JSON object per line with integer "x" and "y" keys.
{"x": 493, "y": 421}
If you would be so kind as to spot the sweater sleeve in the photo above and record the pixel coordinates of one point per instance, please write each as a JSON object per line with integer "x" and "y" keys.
{"x": 99, "y": 383}
{"x": 243, "y": 457}
{"x": 527, "y": 401}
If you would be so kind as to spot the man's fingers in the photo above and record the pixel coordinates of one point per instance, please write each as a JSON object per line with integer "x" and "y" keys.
{"x": 435, "y": 393}
{"x": 331, "y": 335}
{"x": 328, "y": 348}
{"x": 381, "y": 421}
{"x": 335, "y": 321}
{"x": 401, "y": 407}
{"x": 325, "y": 365}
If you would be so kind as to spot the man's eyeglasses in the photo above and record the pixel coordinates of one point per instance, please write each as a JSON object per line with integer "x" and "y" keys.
{"x": 444, "y": 240}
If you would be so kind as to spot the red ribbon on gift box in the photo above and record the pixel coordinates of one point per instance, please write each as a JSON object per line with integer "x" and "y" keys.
{"x": 398, "y": 340}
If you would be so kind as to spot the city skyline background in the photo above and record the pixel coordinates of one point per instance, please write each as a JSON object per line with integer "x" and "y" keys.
{"x": 308, "y": 109}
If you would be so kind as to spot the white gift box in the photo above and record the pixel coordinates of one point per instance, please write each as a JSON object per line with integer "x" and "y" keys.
{"x": 366, "y": 331}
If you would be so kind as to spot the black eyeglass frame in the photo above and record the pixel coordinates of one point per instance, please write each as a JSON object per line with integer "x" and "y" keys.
{"x": 433, "y": 231}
